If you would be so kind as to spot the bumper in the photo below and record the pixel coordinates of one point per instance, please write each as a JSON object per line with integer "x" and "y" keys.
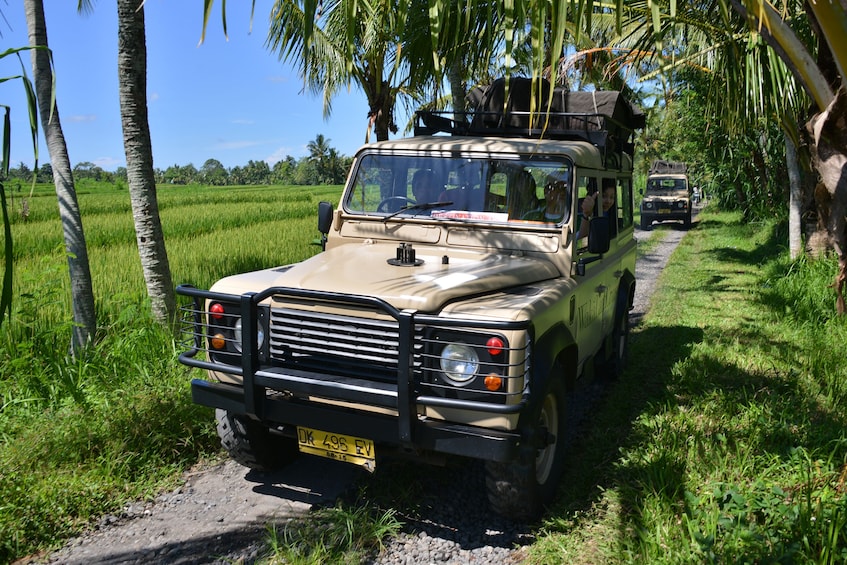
{"x": 430, "y": 435}
{"x": 661, "y": 215}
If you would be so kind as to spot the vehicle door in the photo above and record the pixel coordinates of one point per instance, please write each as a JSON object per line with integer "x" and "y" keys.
{"x": 593, "y": 289}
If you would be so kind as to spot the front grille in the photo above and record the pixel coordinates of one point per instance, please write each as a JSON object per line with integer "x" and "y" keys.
{"x": 337, "y": 344}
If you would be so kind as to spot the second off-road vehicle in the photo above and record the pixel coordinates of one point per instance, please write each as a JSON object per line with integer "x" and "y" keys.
{"x": 668, "y": 194}
{"x": 454, "y": 307}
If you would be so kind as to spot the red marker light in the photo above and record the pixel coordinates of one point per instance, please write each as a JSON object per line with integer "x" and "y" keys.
{"x": 216, "y": 310}
{"x": 495, "y": 345}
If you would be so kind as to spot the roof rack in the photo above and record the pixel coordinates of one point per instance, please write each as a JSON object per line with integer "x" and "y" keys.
{"x": 660, "y": 167}
{"x": 605, "y": 119}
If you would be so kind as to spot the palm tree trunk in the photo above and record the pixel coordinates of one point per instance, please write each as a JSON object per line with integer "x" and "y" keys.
{"x": 132, "y": 77}
{"x": 829, "y": 155}
{"x": 457, "y": 89}
{"x": 795, "y": 200}
{"x": 82, "y": 293}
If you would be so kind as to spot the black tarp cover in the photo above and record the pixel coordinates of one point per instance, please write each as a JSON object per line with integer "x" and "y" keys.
{"x": 488, "y": 104}
{"x": 660, "y": 167}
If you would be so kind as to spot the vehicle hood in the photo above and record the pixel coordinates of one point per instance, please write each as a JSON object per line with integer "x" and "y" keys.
{"x": 364, "y": 270}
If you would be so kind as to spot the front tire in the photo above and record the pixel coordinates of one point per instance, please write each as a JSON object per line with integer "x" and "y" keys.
{"x": 646, "y": 222}
{"x": 522, "y": 489}
{"x": 252, "y": 444}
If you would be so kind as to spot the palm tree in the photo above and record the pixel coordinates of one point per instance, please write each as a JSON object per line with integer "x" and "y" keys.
{"x": 132, "y": 77}
{"x": 319, "y": 151}
{"x": 758, "y": 66}
{"x": 378, "y": 45}
{"x": 82, "y": 293}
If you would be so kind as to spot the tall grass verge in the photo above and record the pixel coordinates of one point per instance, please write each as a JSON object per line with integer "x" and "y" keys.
{"x": 82, "y": 437}
{"x": 726, "y": 439}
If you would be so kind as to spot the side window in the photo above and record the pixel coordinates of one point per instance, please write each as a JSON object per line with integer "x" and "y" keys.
{"x": 585, "y": 185}
{"x": 625, "y": 202}
{"x": 610, "y": 202}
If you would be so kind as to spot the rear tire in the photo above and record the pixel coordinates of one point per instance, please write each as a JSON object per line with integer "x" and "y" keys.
{"x": 252, "y": 444}
{"x": 522, "y": 489}
{"x": 619, "y": 347}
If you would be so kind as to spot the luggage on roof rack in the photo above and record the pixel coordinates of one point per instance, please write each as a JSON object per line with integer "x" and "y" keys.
{"x": 660, "y": 167}
{"x": 604, "y": 118}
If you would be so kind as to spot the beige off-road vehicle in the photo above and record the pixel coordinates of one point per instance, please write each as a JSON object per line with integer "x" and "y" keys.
{"x": 453, "y": 309}
{"x": 668, "y": 195}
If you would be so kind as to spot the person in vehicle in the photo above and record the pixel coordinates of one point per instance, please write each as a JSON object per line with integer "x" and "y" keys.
{"x": 555, "y": 202}
{"x": 521, "y": 197}
{"x": 423, "y": 186}
{"x": 589, "y": 206}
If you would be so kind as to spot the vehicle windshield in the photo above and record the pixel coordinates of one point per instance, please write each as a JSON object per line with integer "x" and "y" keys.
{"x": 664, "y": 186}
{"x": 462, "y": 188}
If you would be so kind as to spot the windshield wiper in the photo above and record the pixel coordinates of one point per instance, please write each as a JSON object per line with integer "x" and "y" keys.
{"x": 418, "y": 206}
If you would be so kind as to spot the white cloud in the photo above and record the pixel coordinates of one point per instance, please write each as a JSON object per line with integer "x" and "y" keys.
{"x": 108, "y": 163}
{"x": 83, "y": 118}
{"x": 278, "y": 155}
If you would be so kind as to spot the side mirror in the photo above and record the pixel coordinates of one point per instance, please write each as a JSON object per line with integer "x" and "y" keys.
{"x": 325, "y": 211}
{"x": 598, "y": 243}
{"x": 598, "y": 235}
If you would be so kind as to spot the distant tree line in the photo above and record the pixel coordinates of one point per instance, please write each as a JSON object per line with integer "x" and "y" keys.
{"x": 323, "y": 165}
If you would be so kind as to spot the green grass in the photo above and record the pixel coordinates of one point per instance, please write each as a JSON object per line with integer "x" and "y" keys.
{"x": 341, "y": 534}
{"x": 724, "y": 442}
{"x": 81, "y": 438}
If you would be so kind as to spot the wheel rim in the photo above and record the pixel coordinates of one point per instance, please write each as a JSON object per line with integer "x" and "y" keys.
{"x": 550, "y": 420}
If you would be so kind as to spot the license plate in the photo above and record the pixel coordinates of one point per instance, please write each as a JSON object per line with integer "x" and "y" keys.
{"x": 349, "y": 449}
{"x": 664, "y": 211}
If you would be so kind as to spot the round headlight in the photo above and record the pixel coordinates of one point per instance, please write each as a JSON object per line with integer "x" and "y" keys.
{"x": 260, "y": 338}
{"x": 459, "y": 363}
{"x": 648, "y": 205}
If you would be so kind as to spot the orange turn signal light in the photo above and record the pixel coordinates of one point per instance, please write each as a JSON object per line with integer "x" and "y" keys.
{"x": 493, "y": 382}
{"x": 218, "y": 341}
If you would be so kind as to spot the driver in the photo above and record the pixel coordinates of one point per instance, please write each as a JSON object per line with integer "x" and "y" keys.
{"x": 423, "y": 186}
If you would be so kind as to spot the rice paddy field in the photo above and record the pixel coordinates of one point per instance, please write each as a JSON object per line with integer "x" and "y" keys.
{"x": 80, "y": 437}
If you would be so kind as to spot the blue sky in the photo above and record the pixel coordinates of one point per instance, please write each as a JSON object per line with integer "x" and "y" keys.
{"x": 230, "y": 100}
